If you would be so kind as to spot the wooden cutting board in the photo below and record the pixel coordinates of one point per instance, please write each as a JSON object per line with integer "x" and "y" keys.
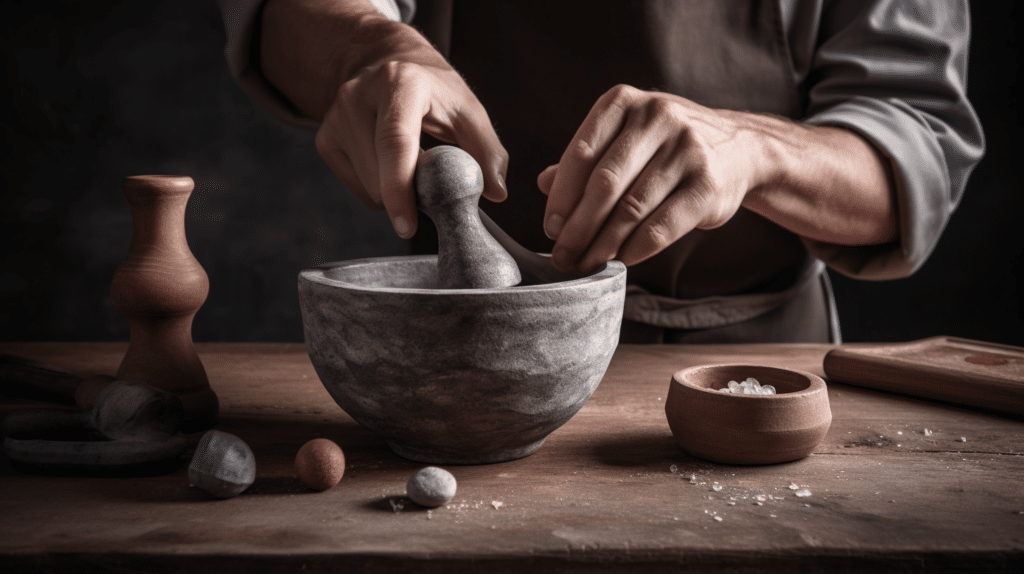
{"x": 959, "y": 371}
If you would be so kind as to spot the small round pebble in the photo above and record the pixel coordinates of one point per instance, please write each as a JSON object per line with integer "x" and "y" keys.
{"x": 320, "y": 464}
{"x": 223, "y": 465}
{"x": 431, "y": 487}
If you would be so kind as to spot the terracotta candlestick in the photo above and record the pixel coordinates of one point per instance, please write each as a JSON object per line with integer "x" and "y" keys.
{"x": 158, "y": 288}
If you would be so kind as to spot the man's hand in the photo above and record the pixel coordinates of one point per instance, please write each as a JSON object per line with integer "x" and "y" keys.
{"x": 375, "y": 85}
{"x": 646, "y": 168}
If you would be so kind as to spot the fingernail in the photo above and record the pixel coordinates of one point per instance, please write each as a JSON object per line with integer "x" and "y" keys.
{"x": 501, "y": 184}
{"x": 402, "y": 227}
{"x": 553, "y": 227}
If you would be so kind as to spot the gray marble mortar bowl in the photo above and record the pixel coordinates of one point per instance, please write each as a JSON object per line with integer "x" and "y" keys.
{"x": 458, "y": 376}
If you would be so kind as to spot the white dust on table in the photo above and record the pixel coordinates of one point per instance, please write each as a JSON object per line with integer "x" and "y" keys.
{"x": 732, "y": 494}
{"x": 476, "y": 505}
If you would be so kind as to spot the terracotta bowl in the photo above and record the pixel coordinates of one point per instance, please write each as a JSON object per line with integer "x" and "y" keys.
{"x": 458, "y": 376}
{"x": 747, "y": 429}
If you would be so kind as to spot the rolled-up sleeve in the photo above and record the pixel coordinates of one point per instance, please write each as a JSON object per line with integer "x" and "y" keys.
{"x": 895, "y": 72}
{"x": 240, "y": 20}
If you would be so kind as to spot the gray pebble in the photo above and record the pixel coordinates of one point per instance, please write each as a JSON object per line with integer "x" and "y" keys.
{"x": 223, "y": 465}
{"x": 431, "y": 487}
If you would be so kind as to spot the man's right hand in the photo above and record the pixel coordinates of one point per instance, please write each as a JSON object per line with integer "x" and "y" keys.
{"x": 375, "y": 85}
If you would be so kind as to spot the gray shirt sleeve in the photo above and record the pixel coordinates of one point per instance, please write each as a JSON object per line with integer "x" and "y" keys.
{"x": 896, "y": 73}
{"x": 239, "y": 19}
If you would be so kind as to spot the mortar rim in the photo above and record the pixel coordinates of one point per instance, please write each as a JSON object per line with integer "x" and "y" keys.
{"x": 610, "y": 271}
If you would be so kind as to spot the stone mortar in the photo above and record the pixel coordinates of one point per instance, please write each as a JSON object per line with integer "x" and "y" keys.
{"x": 458, "y": 376}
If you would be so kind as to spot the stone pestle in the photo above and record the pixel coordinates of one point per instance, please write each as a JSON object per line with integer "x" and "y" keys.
{"x": 448, "y": 184}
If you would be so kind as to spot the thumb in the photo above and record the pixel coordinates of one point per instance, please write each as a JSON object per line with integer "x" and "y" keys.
{"x": 547, "y": 178}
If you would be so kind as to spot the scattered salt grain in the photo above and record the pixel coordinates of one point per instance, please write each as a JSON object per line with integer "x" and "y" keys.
{"x": 962, "y": 439}
{"x": 793, "y": 486}
{"x": 718, "y": 518}
{"x": 396, "y": 504}
{"x": 760, "y": 498}
{"x": 927, "y": 432}
{"x": 716, "y": 487}
{"x": 497, "y": 504}
{"x": 803, "y": 492}
{"x": 731, "y": 503}
{"x": 748, "y": 387}
{"x": 693, "y": 479}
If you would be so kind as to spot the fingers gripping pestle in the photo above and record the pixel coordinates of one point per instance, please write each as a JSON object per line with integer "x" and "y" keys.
{"x": 448, "y": 185}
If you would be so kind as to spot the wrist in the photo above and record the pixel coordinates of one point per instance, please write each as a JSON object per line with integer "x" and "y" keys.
{"x": 309, "y": 48}
{"x": 765, "y": 154}
{"x": 823, "y": 183}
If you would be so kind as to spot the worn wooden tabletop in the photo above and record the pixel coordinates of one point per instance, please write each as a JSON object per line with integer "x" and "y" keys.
{"x": 608, "y": 491}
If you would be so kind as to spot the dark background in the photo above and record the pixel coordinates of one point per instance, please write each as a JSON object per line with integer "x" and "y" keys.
{"x": 100, "y": 90}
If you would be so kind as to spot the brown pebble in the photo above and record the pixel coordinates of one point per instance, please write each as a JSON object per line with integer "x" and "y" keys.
{"x": 320, "y": 464}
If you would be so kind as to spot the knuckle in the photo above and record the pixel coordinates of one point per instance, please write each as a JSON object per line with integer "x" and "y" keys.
{"x": 584, "y": 151}
{"x": 700, "y": 199}
{"x": 656, "y": 236}
{"x": 630, "y": 209}
{"x": 348, "y": 90}
{"x": 393, "y": 139}
{"x": 622, "y": 92}
{"x": 395, "y": 71}
{"x": 604, "y": 182}
{"x": 663, "y": 110}
{"x": 323, "y": 144}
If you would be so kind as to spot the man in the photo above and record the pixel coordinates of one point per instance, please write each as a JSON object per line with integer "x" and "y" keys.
{"x": 661, "y": 132}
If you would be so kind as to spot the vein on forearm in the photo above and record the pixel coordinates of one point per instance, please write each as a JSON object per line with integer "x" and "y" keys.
{"x": 824, "y": 183}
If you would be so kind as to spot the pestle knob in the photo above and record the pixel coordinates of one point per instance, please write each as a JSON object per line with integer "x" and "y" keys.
{"x": 448, "y": 186}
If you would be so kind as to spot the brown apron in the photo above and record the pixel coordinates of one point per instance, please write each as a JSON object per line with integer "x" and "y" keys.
{"x": 539, "y": 66}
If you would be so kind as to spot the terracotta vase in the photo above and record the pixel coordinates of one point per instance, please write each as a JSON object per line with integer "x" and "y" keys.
{"x": 158, "y": 288}
{"x": 747, "y": 429}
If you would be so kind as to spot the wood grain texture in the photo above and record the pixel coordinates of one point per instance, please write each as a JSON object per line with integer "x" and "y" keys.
{"x": 600, "y": 495}
{"x": 959, "y": 371}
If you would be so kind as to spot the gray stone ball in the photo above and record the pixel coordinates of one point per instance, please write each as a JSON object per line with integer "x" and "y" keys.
{"x": 223, "y": 465}
{"x": 431, "y": 487}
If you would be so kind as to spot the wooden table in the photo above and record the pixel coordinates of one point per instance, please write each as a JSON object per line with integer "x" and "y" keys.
{"x": 608, "y": 491}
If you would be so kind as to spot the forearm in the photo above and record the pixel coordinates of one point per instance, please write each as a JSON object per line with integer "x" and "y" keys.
{"x": 827, "y": 184}
{"x": 308, "y": 48}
